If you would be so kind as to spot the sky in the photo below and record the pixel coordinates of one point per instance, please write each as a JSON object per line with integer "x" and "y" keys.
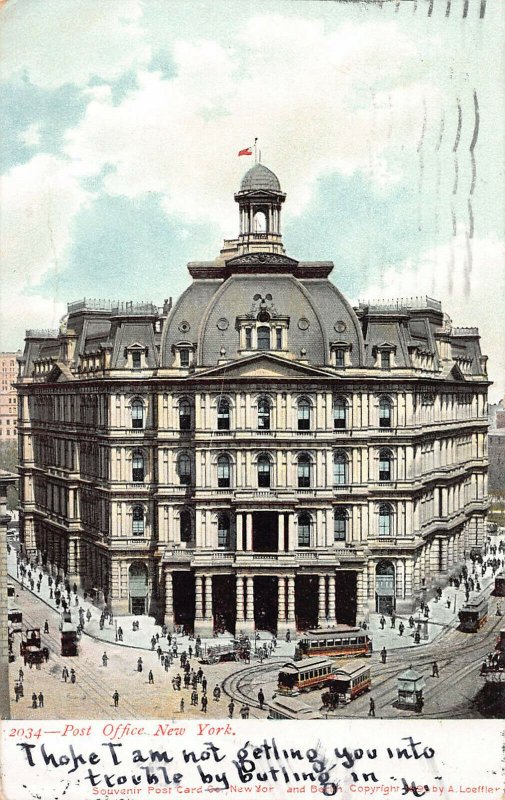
{"x": 122, "y": 122}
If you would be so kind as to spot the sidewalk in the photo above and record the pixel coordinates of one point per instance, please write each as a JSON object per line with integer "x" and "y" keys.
{"x": 443, "y": 616}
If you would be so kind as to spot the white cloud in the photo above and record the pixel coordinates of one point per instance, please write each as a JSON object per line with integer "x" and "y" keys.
{"x": 468, "y": 276}
{"x": 318, "y": 101}
{"x": 72, "y": 41}
{"x": 39, "y": 202}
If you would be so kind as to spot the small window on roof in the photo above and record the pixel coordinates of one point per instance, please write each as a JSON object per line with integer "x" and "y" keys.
{"x": 136, "y": 359}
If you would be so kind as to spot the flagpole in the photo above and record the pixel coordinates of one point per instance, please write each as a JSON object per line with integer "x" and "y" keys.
{"x": 255, "y": 151}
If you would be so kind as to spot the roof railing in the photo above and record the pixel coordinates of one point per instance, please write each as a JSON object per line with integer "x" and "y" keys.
{"x": 399, "y": 303}
{"x": 42, "y": 333}
{"x": 113, "y": 306}
{"x": 465, "y": 331}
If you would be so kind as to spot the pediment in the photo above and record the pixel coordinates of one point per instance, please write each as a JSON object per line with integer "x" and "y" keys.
{"x": 262, "y": 259}
{"x": 59, "y": 372}
{"x": 263, "y": 366}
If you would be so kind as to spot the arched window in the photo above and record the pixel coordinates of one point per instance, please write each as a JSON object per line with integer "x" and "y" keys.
{"x": 223, "y": 531}
{"x": 137, "y": 413}
{"x": 263, "y": 333}
{"x": 303, "y": 471}
{"x": 263, "y": 472}
{"x": 223, "y": 414}
{"x": 138, "y": 522}
{"x": 303, "y": 530}
{"x": 263, "y": 414}
{"x": 223, "y": 471}
{"x": 303, "y": 414}
{"x": 184, "y": 415}
{"x": 185, "y": 526}
{"x": 385, "y": 465}
{"x": 340, "y": 470}
{"x": 385, "y": 520}
{"x": 340, "y": 413}
{"x": 340, "y": 523}
{"x": 138, "y": 466}
{"x": 385, "y": 412}
{"x": 184, "y": 469}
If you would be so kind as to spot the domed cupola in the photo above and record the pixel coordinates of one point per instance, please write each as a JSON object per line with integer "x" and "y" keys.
{"x": 260, "y": 199}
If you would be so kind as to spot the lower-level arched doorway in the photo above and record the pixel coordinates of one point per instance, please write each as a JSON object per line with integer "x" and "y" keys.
{"x": 138, "y": 587}
{"x": 223, "y": 603}
{"x": 184, "y": 599}
{"x": 385, "y": 594}
{"x": 306, "y": 601}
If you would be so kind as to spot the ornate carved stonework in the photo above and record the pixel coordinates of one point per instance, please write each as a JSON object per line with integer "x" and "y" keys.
{"x": 250, "y": 259}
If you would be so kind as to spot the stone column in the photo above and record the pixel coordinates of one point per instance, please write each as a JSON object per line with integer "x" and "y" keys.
{"x": 198, "y": 598}
{"x": 291, "y": 533}
{"x": 169, "y": 601}
{"x": 239, "y": 595}
{"x": 248, "y": 532}
{"x": 280, "y": 532}
{"x": 321, "y": 614}
{"x": 361, "y": 596}
{"x": 249, "y": 605}
{"x": 332, "y": 616}
{"x": 445, "y": 552}
{"x": 291, "y": 620}
{"x": 240, "y": 529}
{"x": 281, "y": 609}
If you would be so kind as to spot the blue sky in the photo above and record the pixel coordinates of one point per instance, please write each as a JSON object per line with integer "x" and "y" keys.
{"x": 123, "y": 120}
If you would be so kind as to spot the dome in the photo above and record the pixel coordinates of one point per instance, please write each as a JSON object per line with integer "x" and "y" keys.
{"x": 258, "y": 178}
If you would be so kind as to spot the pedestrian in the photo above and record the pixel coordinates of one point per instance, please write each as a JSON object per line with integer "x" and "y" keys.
{"x": 190, "y": 651}
{"x": 151, "y": 676}
{"x": 64, "y": 673}
{"x": 194, "y": 697}
{"x": 231, "y": 708}
{"x": 46, "y": 626}
{"x": 216, "y": 693}
{"x": 401, "y": 628}
{"x": 393, "y": 620}
{"x": 434, "y": 670}
{"x": 181, "y": 705}
{"x": 21, "y": 675}
{"x": 261, "y": 698}
{"x": 72, "y": 676}
{"x": 384, "y": 655}
{"x": 105, "y": 659}
{"x": 204, "y": 703}
{"x": 417, "y": 637}
{"x": 115, "y": 697}
{"x": 41, "y": 700}
{"x": 204, "y": 684}
{"x": 371, "y": 710}
{"x": 448, "y": 602}
{"x": 139, "y": 665}
{"x": 34, "y": 700}
{"x": 382, "y": 622}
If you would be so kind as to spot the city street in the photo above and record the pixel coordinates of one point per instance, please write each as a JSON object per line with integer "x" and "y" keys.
{"x": 457, "y": 692}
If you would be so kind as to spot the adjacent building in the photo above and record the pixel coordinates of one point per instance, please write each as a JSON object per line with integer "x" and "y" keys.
{"x": 8, "y": 398}
{"x": 260, "y": 454}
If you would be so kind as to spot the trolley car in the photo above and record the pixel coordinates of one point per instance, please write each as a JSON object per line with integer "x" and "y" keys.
{"x": 493, "y": 669}
{"x": 499, "y": 585}
{"x": 473, "y": 615}
{"x": 342, "y": 640}
{"x": 30, "y": 638}
{"x": 290, "y": 708}
{"x": 301, "y": 676}
{"x": 68, "y": 639}
{"x": 15, "y": 618}
{"x": 348, "y": 682}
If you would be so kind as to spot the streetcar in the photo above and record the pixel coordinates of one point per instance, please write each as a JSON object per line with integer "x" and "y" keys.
{"x": 347, "y": 684}
{"x": 473, "y": 615}
{"x": 493, "y": 669}
{"x": 301, "y": 676}
{"x": 499, "y": 585}
{"x": 68, "y": 639}
{"x": 290, "y": 708}
{"x": 15, "y": 618}
{"x": 342, "y": 640}
{"x": 30, "y": 638}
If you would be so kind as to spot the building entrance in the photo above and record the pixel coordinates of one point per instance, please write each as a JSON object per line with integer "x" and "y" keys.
{"x": 385, "y": 587}
{"x": 223, "y": 603}
{"x": 138, "y": 605}
{"x": 265, "y": 532}
{"x": 137, "y": 587}
{"x": 265, "y": 603}
{"x": 346, "y": 597}
{"x": 306, "y": 601}
{"x": 184, "y": 599}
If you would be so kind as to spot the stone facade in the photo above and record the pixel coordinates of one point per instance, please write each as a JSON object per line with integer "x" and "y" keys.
{"x": 259, "y": 454}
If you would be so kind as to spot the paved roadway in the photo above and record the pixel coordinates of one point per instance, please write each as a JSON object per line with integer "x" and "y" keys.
{"x": 454, "y": 694}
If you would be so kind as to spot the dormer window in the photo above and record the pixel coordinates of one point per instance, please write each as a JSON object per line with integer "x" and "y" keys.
{"x": 136, "y": 356}
{"x": 384, "y": 355}
{"x": 263, "y": 338}
{"x": 184, "y": 353}
{"x": 248, "y": 338}
{"x": 136, "y": 359}
{"x": 385, "y": 359}
{"x": 340, "y": 354}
